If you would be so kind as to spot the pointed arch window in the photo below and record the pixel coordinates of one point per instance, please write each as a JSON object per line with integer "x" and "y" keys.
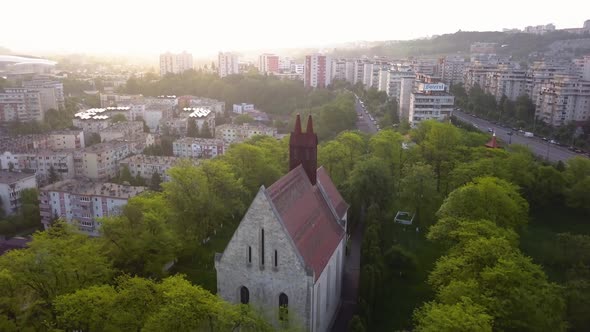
{"x": 283, "y": 307}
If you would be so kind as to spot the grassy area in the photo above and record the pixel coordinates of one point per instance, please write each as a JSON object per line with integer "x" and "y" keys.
{"x": 401, "y": 295}
{"x": 199, "y": 266}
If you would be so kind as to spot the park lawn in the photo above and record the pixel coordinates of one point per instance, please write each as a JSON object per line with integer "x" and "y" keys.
{"x": 402, "y": 295}
{"x": 199, "y": 265}
{"x": 539, "y": 239}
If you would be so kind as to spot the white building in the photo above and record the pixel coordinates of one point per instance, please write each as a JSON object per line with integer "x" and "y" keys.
{"x": 115, "y": 99}
{"x": 145, "y": 166}
{"x": 203, "y": 117}
{"x": 50, "y": 91}
{"x": 96, "y": 119}
{"x": 82, "y": 202}
{"x": 101, "y": 161}
{"x": 452, "y": 70}
{"x": 430, "y": 101}
{"x": 20, "y": 104}
{"x": 175, "y": 63}
{"x": 121, "y": 130}
{"x": 243, "y": 107}
{"x": 565, "y": 99}
{"x": 11, "y": 186}
{"x": 507, "y": 81}
{"x": 232, "y": 133}
{"x": 227, "y": 64}
{"x": 190, "y": 147}
{"x": 40, "y": 162}
{"x": 317, "y": 71}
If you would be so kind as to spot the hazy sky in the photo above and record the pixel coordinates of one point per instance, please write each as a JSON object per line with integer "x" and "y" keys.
{"x": 207, "y": 26}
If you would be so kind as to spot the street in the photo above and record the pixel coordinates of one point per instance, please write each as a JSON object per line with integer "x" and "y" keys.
{"x": 543, "y": 149}
{"x": 363, "y": 121}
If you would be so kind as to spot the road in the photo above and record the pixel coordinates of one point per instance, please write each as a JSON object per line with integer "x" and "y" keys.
{"x": 539, "y": 147}
{"x": 363, "y": 121}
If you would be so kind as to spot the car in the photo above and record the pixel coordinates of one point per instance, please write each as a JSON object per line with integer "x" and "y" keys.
{"x": 545, "y": 139}
{"x": 490, "y": 130}
{"x": 552, "y": 141}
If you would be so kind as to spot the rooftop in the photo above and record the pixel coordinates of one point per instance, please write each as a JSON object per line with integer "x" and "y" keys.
{"x": 120, "y": 126}
{"x": 197, "y": 112}
{"x": 7, "y": 177}
{"x": 86, "y": 187}
{"x": 196, "y": 140}
{"x": 98, "y": 113}
{"x": 145, "y": 159}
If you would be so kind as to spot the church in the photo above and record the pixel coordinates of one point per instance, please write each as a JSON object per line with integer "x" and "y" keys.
{"x": 286, "y": 258}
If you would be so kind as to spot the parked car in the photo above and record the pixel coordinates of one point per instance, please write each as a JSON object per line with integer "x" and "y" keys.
{"x": 552, "y": 141}
{"x": 490, "y": 130}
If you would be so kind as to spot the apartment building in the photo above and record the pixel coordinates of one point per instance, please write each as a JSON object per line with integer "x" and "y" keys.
{"x": 82, "y": 202}
{"x": 507, "y": 81}
{"x": 11, "y": 186}
{"x": 268, "y": 63}
{"x": 243, "y": 107}
{"x": 317, "y": 71}
{"x": 171, "y": 63}
{"x": 476, "y": 73}
{"x": 145, "y": 166}
{"x": 101, "y": 161}
{"x": 201, "y": 116}
{"x": 121, "y": 130}
{"x": 564, "y": 100}
{"x": 95, "y": 120}
{"x": 51, "y": 92}
{"x": 56, "y": 140}
{"x": 430, "y": 101}
{"x": 115, "y": 99}
{"x": 451, "y": 70}
{"x": 40, "y": 163}
{"x": 190, "y": 147}
{"x": 541, "y": 73}
{"x": 20, "y": 104}
{"x": 227, "y": 64}
{"x": 231, "y": 133}
{"x": 201, "y": 102}
{"x": 65, "y": 139}
{"x": 393, "y": 81}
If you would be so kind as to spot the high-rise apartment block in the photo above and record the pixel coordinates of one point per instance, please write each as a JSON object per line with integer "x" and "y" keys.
{"x": 566, "y": 98}
{"x": 171, "y": 63}
{"x": 50, "y": 91}
{"x": 227, "y": 64}
{"x": 317, "y": 71}
{"x": 20, "y": 104}
{"x": 268, "y": 63}
{"x": 430, "y": 101}
{"x": 11, "y": 186}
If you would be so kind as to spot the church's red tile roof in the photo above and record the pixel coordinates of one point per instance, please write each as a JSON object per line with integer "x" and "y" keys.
{"x": 307, "y": 216}
{"x": 333, "y": 194}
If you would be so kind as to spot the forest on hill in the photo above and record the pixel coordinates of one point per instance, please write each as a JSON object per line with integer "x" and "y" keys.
{"x": 519, "y": 45}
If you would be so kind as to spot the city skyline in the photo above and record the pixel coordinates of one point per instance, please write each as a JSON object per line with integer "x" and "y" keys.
{"x": 209, "y": 27}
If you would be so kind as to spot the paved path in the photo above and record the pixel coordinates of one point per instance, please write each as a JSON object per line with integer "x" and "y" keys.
{"x": 350, "y": 282}
{"x": 539, "y": 147}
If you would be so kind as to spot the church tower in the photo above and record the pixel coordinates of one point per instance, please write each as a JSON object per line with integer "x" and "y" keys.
{"x": 303, "y": 149}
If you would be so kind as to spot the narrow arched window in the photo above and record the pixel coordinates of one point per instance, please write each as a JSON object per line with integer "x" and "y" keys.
{"x": 283, "y": 307}
{"x": 276, "y": 259}
{"x": 249, "y": 255}
{"x": 244, "y": 295}
{"x": 262, "y": 247}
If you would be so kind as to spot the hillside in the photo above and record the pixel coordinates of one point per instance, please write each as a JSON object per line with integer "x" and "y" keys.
{"x": 520, "y": 45}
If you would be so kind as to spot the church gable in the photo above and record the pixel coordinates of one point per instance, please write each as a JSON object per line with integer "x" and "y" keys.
{"x": 261, "y": 241}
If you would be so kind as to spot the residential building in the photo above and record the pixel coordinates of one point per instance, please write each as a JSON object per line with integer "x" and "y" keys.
{"x": 476, "y": 73}
{"x": 96, "y": 119}
{"x": 541, "y": 73}
{"x": 393, "y": 82}
{"x": 115, "y": 99}
{"x": 121, "y": 130}
{"x": 268, "y": 63}
{"x": 406, "y": 87}
{"x": 430, "y": 101}
{"x": 171, "y": 63}
{"x": 65, "y": 139}
{"x": 145, "y": 166}
{"x": 51, "y": 92}
{"x": 203, "y": 117}
{"x": 82, "y": 202}
{"x": 201, "y": 102}
{"x": 20, "y": 104}
{"x": 40, "y": 163}
{"x": 227, "y": 64}
{"x": 232, "y": 133}
{"x": 318, "y": 69}
{"x": 452, "y": 69}
{"x": 298, "y": 68}
{"x": 101, "y": 161}
{"x": 11, "y": 186}
{"x": 190, "y": 147}
{"x": 56, "y": 140}
{"x": 563, "y": 100}
{"x": 483, "y": 48}
{"x": 540, "y": 29}
{"x": 240, "y": 108}
{"x": 339, "y": 69}
{"x": 507, "y": 81}
{"x": 285, "y": 64}
{"x": 287, "y": 255}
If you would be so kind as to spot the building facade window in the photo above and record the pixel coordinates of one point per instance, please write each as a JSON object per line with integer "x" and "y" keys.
{"x": 276, "y": 259}
{"x": 249, "y": 255}
{"x": 244, "y": 295}
{"x": 283, "y": 307}
{"x": 262, "y": 247}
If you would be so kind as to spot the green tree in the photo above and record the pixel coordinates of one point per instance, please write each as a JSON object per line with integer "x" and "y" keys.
{"x": 155, "y": 182}
{"x": 140, "y": 241}
{"x": 487, "y": 198}
{"x": 191, "y": 128}
{"x": 206, "y": 131}
{"x": 463, "y": 316}
{"x": 371, "y": 182}
{"x": 118, "y": 118}
{"x": 243, "y": 118}
{"x": 125, "y": 175}
{"x": 418, "y": 192}
{"x": 253, "y": 165}
{"x": 52, "y": 177}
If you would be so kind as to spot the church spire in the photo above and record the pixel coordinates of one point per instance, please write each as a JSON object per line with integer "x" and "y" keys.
{"x": 298, "y": 124}
{"x": 303, "y": 149}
